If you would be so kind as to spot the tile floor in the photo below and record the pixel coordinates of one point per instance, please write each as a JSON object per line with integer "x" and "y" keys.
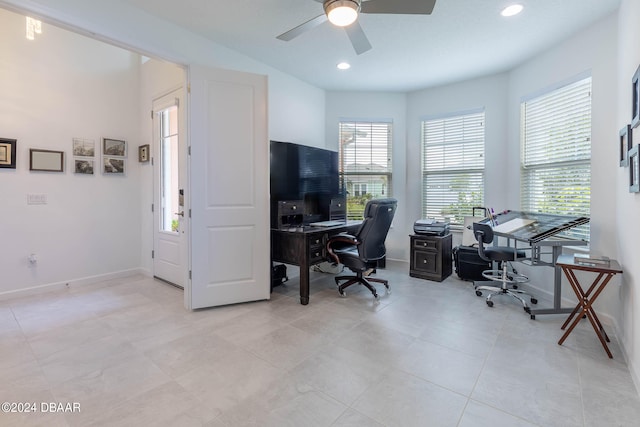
{"x": 429, "y": 354}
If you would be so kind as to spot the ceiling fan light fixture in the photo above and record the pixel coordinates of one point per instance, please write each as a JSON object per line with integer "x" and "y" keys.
{"x": 342, "y": 12}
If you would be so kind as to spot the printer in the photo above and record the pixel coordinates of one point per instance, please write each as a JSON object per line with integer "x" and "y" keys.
{"x": 431, "y": 227}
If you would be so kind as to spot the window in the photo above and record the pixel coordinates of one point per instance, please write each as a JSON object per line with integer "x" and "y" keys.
{"x": 365, "y": 163}
{"x": 452, "y": 166}
{"x": 556, "y": 153}
{"x": 169, "y": 192}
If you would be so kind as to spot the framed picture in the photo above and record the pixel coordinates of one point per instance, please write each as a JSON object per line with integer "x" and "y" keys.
{"x": 113, "y": 165}
{"x": 83, "y": 167}
{"x": 625, "y": 143}
{"x": 634, "y": 171}
{"x": 143, "y": 153}
{"x": 114, "y": 147}
{"x": 635, "y": 99}
{"x": 84, "y": 147}
{"x": 7, "y": 153}
{"x": 46, "y": 160}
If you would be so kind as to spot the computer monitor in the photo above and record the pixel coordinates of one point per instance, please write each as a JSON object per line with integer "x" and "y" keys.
{"x": 310, "y": 174}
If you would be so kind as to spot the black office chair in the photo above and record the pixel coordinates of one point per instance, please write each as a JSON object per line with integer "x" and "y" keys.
{"x": 361, "y": 252}
{"x": 503, "y": 255}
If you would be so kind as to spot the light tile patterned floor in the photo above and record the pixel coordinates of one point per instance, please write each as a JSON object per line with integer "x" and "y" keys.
{"x": 429, "y": 354}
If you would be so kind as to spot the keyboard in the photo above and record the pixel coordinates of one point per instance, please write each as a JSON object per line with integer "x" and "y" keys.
{"x": 327, "y": 223}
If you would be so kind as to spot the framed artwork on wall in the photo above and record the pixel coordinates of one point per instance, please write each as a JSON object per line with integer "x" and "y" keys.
{"x": 635, "y": 99}
{"x": 46, "y": 160}
{"x": 114, "y": 147}
{"x": 84, "y": 147}
{"x": 84, "y": 167}
{"x": 634, "y": 171}
{"x": 143, "y": 153}
{"x": 7, "y": 153}
{"x": 113, "y": 165}
{"x": 625, "y": 143}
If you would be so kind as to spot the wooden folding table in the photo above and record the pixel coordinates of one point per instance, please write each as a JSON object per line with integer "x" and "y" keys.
{"x": 584, "y": 308}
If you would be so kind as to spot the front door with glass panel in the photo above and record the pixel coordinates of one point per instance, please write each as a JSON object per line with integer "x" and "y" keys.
{"x": 168, "y": 206}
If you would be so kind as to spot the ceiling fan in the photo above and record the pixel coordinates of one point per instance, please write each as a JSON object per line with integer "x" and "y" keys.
{"x": 344, "y": 13}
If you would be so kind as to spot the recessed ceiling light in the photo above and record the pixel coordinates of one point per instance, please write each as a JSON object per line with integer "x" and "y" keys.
{"x": 344, "y": 66}
{"x": 514, "y": 9}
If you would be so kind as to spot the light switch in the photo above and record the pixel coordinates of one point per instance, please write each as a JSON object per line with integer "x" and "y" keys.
{"x": 36, "y": 199}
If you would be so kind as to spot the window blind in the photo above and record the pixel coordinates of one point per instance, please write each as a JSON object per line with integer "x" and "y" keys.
{"x": 452, "y": 166}
{"x": 365, "y": 163}
{"x": 556, "y": 153}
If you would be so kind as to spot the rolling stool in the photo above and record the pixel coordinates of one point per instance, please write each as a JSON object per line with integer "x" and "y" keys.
{"x": 503, "y": 255}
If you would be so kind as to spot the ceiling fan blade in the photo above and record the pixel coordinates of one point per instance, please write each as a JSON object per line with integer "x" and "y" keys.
{"x": 358, "y": 38}
{"x": 401, "y": 7}
{"x": 302, "y": 28}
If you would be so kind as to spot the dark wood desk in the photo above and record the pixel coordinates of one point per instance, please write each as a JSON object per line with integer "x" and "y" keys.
{"x": 304, "y": 247}
{"x": 584, "y": 308}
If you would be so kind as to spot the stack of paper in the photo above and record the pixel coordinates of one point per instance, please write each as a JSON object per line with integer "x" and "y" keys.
{"x": 591, "y": 259}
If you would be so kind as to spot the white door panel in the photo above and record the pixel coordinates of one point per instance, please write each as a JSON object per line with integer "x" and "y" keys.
{"x": 229, "y": 171}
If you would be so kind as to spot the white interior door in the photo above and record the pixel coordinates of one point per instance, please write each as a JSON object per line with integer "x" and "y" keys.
{"x": 169, "y": 222}
{"x": 229, "y": 181}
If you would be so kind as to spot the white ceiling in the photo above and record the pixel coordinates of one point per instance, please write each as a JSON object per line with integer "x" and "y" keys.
{"x": 461, "y": 39}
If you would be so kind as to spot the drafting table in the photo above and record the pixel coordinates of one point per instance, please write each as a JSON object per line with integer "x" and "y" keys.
{"x": 538, "y": 232}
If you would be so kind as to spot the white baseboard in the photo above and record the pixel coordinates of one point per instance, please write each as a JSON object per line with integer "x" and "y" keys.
{"x": 632, "y": 368}
{"x": 83, "y": 281}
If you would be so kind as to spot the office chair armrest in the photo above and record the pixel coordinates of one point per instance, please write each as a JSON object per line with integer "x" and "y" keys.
{"x": 339, "y": 241}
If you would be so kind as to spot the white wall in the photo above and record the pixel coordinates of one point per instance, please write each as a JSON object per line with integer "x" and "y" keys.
{"x": 626, "y": 210}
{"x": 55, "y": 88}
{"x": 378, "y": 106}
{"x": 296, "y": 109}
{"x": 296, "y": 113}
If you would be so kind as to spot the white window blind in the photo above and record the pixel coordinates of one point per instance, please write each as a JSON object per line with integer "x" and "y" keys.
{"x": 365, "y": 163}
{"x": 556, "y": 153}
{"x": 452, "y": 166}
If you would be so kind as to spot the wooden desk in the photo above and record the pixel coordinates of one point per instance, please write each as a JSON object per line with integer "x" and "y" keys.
{"x": 304, "y": 247}
{"x": 586, "y": 299}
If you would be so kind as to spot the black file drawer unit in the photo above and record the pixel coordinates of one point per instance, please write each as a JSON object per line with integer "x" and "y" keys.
{"x": 430, "y": 257}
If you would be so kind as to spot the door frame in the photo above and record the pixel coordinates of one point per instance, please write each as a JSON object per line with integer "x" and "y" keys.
{"x": 183, "y": 164}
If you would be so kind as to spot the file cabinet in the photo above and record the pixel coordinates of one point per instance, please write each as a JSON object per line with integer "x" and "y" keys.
{"x": 430, "y": 257}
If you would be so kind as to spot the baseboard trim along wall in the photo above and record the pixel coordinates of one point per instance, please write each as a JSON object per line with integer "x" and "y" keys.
{"x": 67, "y": 284}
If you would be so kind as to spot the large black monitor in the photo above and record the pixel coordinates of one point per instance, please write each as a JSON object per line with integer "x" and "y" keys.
{"x": 310, "y": 174}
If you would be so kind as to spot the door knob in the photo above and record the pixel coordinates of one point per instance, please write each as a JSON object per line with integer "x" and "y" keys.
{"x": 180, "y": 213}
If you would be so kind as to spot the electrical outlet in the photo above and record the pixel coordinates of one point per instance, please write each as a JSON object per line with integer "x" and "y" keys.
{"x": 36, "y": 199}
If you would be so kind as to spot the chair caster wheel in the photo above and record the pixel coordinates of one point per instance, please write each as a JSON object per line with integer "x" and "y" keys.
{"x": 515, "y": 286}
{"x": 343, "y": 294}
{"x": 533, "y": 317}
{"x": 534, "y": 301}
{"x": 490, "y": 303}
{"x": 479, "y": 293}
